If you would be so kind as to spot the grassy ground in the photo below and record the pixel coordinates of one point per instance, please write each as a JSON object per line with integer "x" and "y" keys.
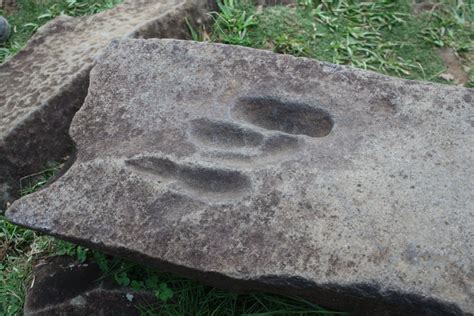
{"x": 382, "y": 35}
{"x": 386, "y": 36}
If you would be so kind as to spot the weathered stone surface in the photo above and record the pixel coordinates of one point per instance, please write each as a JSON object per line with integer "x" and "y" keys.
{"x": 62, "y": 286}
{"x": 43, "y": 86}
{"x": 222, "y": 163}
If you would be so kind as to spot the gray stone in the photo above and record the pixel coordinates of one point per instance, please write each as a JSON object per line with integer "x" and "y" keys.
{"x": 43, "y": 86}
{"x": 4, "y": 30}
{"x": 62, "y": 286}
{"x": 251, "y": 170}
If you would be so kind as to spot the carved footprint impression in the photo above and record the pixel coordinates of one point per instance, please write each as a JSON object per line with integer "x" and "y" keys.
{"x": 290, "y": 118}
{"x": 204, "y": 180}
{"x": 273, "y": 130}
{"x": 270, "y": 131}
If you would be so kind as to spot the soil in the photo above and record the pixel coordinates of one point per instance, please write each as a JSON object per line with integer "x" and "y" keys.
{"x": 455, "y": 69}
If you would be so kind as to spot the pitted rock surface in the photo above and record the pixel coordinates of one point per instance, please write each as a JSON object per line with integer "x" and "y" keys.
{"x": 63, "y": 286}
{"x": 252, "y": 170}
{"x": 43, "y": 86}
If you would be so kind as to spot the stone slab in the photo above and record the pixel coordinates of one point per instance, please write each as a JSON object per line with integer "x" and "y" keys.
{"x": 251, "y": 170}
{"x": 63, "y": 286}
{"x": 45, "y": 84}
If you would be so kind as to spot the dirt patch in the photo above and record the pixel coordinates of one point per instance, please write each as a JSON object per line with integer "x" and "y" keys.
{"x": 7, "y": 5}
{"x": 266, "y": 3}
{"x": 421, "y": 7}
{"x": 455, "y": 71}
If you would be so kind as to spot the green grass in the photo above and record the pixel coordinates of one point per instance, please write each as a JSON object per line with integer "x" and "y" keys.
{"x": 381, "y": 35}
{"x": 180, "y": 296}
{"x": 19, "y": 249}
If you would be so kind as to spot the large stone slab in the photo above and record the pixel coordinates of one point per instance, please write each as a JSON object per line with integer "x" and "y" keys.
{"x": 43, "y": 86}
{"x": 252, "y": 170}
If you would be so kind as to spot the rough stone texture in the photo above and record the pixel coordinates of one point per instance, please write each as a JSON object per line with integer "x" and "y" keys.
{"x": 62, "y": 286}
{"x": 43, "y": 86}
{"x": 252, "y": 170}
{"x": 4, "y": 29}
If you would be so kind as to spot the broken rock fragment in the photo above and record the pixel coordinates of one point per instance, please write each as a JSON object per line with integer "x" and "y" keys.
{"x": 62, "y": 286}
{"x": 251, "y": 170}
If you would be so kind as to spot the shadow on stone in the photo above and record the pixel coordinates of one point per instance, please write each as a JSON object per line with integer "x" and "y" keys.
{"x": 62, "y": 286}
